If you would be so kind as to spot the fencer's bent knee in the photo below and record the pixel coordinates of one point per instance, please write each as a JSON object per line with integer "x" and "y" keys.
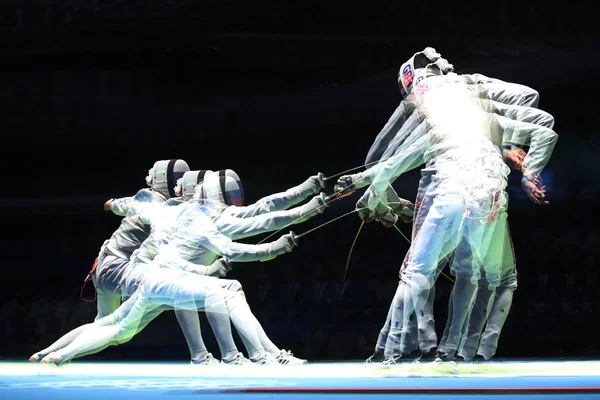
{"x": 547, "y": 119}
{"x": 417, "y": 280}
{"x": 216, "y": 302}
{"x": 123, "y": 335}
{"x": 533, "y": 97}
{"x": 467, "y": 272}
{"x": 509, "y": 281}
{"x": 110, "y": 319}
{"x": 236, "y": 299}
{"x": 233, "y": 285}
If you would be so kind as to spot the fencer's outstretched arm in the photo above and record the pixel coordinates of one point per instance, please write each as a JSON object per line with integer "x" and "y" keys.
{"x": 208, "y": 236}
{"x": 279, "y": 201}
{"x": 154, "y": 213}
{"x": 238, "y": 228}
{"x": 123, "y": 205}
{"x": 388, "y": 171}
{"x": 120, "y": 206}
{"x": 169, "y": 257}
{"x": 409, "y": 156}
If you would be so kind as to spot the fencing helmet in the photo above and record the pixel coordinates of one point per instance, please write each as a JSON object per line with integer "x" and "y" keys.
{"x": 224, "y": 186}
{"x": 232, "y": 174}
{"x": 164, "y": 175}
{"x": 422, "y": 64}
{"x": 186, "y": 186}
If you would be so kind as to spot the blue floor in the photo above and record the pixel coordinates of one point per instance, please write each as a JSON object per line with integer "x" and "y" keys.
{"x": 348, "y": 380}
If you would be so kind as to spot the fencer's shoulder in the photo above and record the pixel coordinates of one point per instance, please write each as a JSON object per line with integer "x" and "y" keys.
{"x": 477, "y": 79}
{"x": 198, "y": 222}
{"x": 215, "y": 209}
{"x": 174, "y": 201}
{"x": 197, "y": 211}
{"x": 149, "y": 196}
{"x": 450, "y": 77}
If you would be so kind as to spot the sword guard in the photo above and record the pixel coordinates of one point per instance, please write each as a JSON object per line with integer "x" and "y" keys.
{"x": 321, "y": 177}
{"x": 294, "y": 238}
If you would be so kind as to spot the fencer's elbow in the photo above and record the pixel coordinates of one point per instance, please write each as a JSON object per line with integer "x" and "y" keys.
{"x": 549, "y": 121}
{"x": 547, "y": 137}
{"x": 553, "y": 137}
{"x": 532, "y": 98}
{"x": 371, "y": 159}
{"x": 233, "y": 286}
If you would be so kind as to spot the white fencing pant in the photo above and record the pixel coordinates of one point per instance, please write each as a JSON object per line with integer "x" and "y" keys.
{"x": 419, "y": 332}
{"x": 482, "y": 332}
{"x": 442, "y": 229}
{"x": 154, "y": 290}
{"x": 460, "y": 330}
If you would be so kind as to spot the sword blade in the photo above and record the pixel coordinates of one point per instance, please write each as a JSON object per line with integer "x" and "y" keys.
{"x": 323, "y": 224}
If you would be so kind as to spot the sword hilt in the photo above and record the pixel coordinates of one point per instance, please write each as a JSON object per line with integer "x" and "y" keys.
{"x": 294, "y": 238}
{"x": 341, "y": 194}
{"x": 322, "y": 178}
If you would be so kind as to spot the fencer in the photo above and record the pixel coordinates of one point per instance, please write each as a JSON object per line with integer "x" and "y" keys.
{"x": 394, "y": 134}
{"x": 154, "y": 287}
{"x": 407, "y": 160}
{"x": 222, "y": 196}
{"x": 131, "y": 233}
{"x": 115, "y": 253}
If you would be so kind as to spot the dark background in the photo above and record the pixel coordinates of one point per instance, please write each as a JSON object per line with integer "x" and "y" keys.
{"x": 94, "y": 91}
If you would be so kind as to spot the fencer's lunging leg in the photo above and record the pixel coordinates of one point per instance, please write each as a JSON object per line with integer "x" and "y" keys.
{"x": 221, "y": 326}
{"x": 244, "y": 322}
{"x": 190, "y": 325}
{"x": 476, "y": 322}
{"x": 60, "y": 343}
{"x": 116, "y": 328}
{"x": 411, "y": 339}
{"x": 497, "y": 318}
{"x": 427, "y": 338}
{"x": 462, "y": 301}
{"x": 400, "y": 321}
